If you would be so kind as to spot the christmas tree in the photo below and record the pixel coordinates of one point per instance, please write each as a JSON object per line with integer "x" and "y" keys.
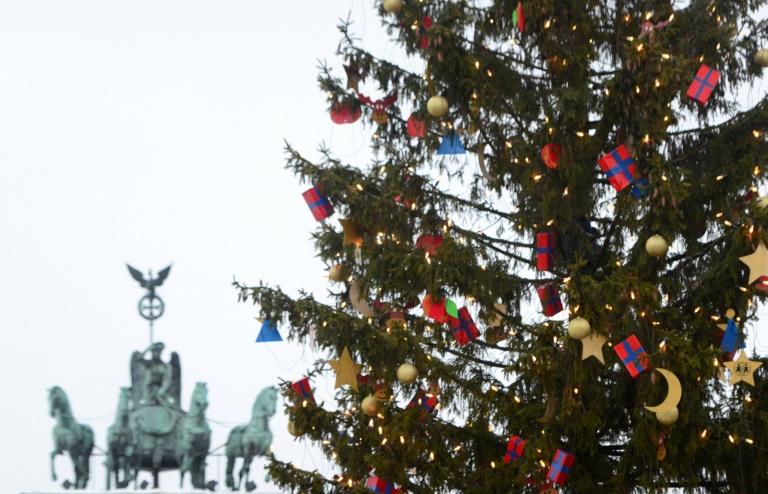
{"x": 547, "y": 277}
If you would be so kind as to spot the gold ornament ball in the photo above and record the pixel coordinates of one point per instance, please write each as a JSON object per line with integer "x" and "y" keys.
{"x": 371, "y": 406}
{"x": 407, "y": 373}
{"x": 393, "y": 5}
{"x": 657, "y": 246}
{"x": 761, "y": 58}
{"x": 437, "y": 106}
{"x": 294, "y": 430}
{"x": 762, "y": 202}
{"x": 578, "y": 328}
{"x": 337, "y": 273}
{"x": 669, "y": 417}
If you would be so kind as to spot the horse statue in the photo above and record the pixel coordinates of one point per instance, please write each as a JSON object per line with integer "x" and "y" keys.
{"x": 68, "y": 435}
{"x": 120, "y": 442}
{"x": 254, "y": 439}
{"x": 195, "y": 438}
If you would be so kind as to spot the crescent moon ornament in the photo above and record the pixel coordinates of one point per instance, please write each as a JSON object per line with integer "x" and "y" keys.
{"x": 360, "y": 304}
{"x": 481, "y": 162}
{"x": 673, "y": 397}
{"x": 550, "y": 413}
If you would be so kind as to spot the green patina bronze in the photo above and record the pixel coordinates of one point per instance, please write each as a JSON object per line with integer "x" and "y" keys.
{"x": 253, "y": 439}
{"x": 120, "y": 440}
{"x": 195, "y": 438}
{"x": 71, "y": 436}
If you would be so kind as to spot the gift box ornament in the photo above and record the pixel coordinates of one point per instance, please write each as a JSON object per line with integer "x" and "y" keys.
{"x": 632, "y": 355}
{"x": 302, "y": 388}
{"x": 451, "y": 144}
{"x": 560, "y": 467}
{"x": 377, "y": 484}
{"x": 545, "y": 251}
{"x": 550, "y": 299}
{"x": 464, "y": 328}
{"x": 703, "y": 84}
{"x": 619, "y": 168}
{"x": 423, "y": 399}
{"x": 515, "y": 449}
{"x": 640, "y": 188}
{"x": 319, "y": 205}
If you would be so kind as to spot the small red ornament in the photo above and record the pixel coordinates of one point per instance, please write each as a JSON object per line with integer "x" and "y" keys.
{"x": 703, "y": 84}
{"x": 429, "y": 243}
{"x": 551, "y": 155}
{"x": 416, "y": 127}
{"x": 434, "y": 308}
{"x": 342, "y": 113}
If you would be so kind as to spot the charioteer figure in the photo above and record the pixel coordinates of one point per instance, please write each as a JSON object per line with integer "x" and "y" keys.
{"x": 155, "y": 382}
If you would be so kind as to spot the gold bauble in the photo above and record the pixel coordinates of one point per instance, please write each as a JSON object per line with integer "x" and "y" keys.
{"x": 761, "y": 58}
{"x": 762, "y": 202}
{"x": 437, "y": 106}
{"x": 668, "y": 417}
{"x": 371, "y": 406}
{"x": 337, "y": 273}
{"x": 656, "y": 246}
{"x": 393, "y": 5}
{"x": 294, "y": 430}
{"x": 578, "y": 328}
{"x": 407, "y": 373}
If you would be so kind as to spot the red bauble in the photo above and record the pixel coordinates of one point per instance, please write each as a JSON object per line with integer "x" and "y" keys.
{"x": 342, "y": 113}
{"x": 551, "y": 155}
{"x": 429, "y": 243}
{"x": 434, "y": 308}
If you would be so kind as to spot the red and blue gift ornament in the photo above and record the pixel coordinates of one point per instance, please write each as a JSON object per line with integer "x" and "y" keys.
{"x": 302, "y": 388}
{"x": 377, "y": 484}
{"x": 427, "y": 401}
{"x": 560, "y": 467}
{"x": 545, "y": 251}
{"x": 632, "y": 355}
{"x": 464, "y": 328}
{"x": 515, "y": 449}
{"x": 550, "y": 299}
{"x": 619, "y": 167}
{"x": 319, "y": 205}
{"x": 703, "y": 84}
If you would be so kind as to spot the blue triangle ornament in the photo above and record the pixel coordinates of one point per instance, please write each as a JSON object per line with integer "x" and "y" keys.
{"x": 731, "y": 341}
{"x": 268, "y": 332}
{"x": 451, "y": 144}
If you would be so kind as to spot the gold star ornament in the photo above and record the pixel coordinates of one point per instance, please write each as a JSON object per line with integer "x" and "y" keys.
{"x": 346, "y": 370}
{"x": 742, "y": 369}
{"x": 593, "y": 347}
{"x": 757, "y": 262}
{"x": 353, "y": 233}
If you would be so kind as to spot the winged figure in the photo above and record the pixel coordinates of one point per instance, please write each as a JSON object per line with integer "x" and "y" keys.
{"x": 150, "y": 283}
{"x": 154, "y": 381}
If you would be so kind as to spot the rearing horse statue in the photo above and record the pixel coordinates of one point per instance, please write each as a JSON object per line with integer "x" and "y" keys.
{"x": 120, "y": 443}
{"x": 254, "y": 439}
{"x": 195, "y": 439}
{"x": 68, "y": 435}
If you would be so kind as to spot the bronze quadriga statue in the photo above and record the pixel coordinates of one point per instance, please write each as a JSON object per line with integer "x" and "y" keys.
{"x": 71, "y": 436}
{"x": 253, "y": 439}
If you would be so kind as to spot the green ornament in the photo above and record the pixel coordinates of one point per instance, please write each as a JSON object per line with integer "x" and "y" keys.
{"x": 451, "y": 309}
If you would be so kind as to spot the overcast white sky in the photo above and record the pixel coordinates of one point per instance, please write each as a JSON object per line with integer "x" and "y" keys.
{"x": 151, "y": 132}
